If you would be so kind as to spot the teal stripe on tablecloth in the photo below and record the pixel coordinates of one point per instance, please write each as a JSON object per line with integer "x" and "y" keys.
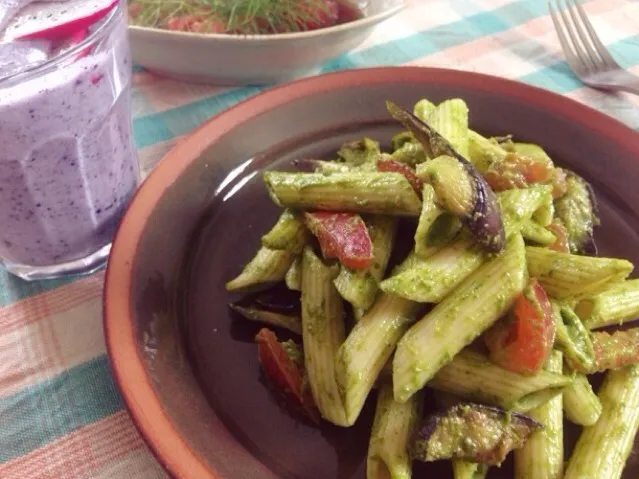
{"x": 40, "y": 414}
{"x": 164, "y": 126}
{"x": 559, "y": 78}
{"x": 158, "y": 127}
{"x": 443, "y": 37}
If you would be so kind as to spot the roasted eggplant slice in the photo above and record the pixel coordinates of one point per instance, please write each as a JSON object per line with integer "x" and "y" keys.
{"x": 277, "y": 306}
{"x": 291, "y": 322}
{"x": 578, "y": 212}
{"x": 278, "y": 299}
{"x": 457, "y": 182}
{"x": 472, "y": 432}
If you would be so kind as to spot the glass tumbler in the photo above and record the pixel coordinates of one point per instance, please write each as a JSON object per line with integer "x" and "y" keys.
{"x": 68, "y": 166}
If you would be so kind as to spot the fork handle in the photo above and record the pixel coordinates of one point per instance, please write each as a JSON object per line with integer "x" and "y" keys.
{"x": 634, "y": 89}
{"x": 629, "y": 84}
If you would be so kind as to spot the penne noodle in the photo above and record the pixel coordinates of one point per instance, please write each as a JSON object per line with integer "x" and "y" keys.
{"x": 472, "y": 376}
{"x": 450, "y": 120}
{"x": 368, "y": 348}
{"x": 393, "y": 428}
{"x": 603, "y": 448}
{"x": 542, "y": 456}
{"x": 430, "y": 280}
{"x": 322, "y": 335}
{"x": 357, "y": 192}
{"x": 581, "y": 404}
{"x": 566, "y": 275}
{"x": 455, "y": 322}
{"x": 615, "y": 305}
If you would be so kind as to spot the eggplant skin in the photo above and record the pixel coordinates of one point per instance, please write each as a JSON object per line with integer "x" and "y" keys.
{"x": 579, "y": 213}
{"x": 484, "y": 218}
{"x": 472, "y": 432}
{"x": 485, "y": 221}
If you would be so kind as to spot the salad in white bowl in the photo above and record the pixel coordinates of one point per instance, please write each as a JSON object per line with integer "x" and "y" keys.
{"x": 232, "y": 42}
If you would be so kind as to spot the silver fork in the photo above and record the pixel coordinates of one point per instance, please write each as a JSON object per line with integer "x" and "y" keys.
{"x": 586, "y": 55}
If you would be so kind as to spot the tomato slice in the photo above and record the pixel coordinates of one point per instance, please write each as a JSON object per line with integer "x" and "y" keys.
{"x": 195, "y": 23}
{"x": 398, "y": 167}
{"x": 343, "y": 236}
{"x": 616, "y": 350}
{"x": 315, "y": 14}
{"x": 560, "y": 232}
{"x": 517, "y": 171}
{"x": 285, "y": 374}
{"x": 523, "y": 341}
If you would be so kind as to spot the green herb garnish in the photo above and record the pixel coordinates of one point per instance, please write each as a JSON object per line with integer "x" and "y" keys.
{"x": 235, "y": 16}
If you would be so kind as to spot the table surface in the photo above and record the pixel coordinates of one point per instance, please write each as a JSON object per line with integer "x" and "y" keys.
{"x": 61, "y": 416}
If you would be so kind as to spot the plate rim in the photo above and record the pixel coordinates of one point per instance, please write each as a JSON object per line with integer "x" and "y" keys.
{"x": 126, "y": 363}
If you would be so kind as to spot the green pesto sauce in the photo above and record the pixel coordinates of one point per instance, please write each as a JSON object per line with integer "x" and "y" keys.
{"x": 293, "y": 351}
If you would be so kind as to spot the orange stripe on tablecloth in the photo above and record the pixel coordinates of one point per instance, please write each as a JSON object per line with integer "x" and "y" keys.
{"x": 61, "y": 299}
{"x": 537, "y": 29}
{"x": 78, "y": 441}
{"x": 105, "y": 441}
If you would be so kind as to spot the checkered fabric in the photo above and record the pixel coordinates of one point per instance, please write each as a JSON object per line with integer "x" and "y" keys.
{"x": 61, "y": 416}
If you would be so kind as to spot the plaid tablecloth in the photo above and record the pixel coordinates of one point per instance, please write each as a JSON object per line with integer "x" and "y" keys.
{"x": 61, "y": 416}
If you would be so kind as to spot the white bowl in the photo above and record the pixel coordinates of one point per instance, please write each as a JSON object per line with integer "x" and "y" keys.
{"x": 223, "y": 59}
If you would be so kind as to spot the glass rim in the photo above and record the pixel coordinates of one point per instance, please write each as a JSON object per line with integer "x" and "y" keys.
{"x": 46, "y": 66}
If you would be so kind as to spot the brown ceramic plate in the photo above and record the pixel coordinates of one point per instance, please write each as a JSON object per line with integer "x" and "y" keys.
{"x": 187, "y": 370}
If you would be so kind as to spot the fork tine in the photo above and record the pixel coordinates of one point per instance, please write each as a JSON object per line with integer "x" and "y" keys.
{"x": 579, "y": 58}
{"x": 583, "y": 36}
{"x": 601, "y": 49}
{"x": 563, "y": 41}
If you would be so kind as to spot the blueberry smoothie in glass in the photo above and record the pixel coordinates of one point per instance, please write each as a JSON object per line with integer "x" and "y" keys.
{"x": 68, "y": 167}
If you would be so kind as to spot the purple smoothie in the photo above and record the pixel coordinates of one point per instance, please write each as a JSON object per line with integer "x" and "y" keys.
{"x": 68, "y": 168}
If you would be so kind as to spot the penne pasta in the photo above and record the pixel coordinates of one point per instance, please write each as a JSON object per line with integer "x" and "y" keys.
{"x": 287, "y": 231}
{"x": 423, "y": 109}
{"x": 602, "y": 449}
{"x": 430, "y": 280}
{"x": 537, "y": 234}
{"x": 393, "y": 427}
{"x": 268, "y": 266}
{"x": 429, "y": 215}
{"x": 280, "y": 247}
{"x": 519, "y": 206}
{"x": 455, "y": 322}
{"x": 615, "y": 305}
{"x": 542, "y": 456}
{"x": 581, "y": 404}
{"x": 572, "y": 338}
{"x": 472, "y": 376}
{"x": 293, "y": 277}
{"x": 504, "y": 260}
{"x": 322, "y": 335}
{"x": 469, "y": 470}
{"x": 482, "y": 152}
{"x": 358, "y": 192}
{"x": 450, "y": 120}
{"x": 368, "y": 347}
{"x": 357, "y": 287}
{"x": 566, "y": 275}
